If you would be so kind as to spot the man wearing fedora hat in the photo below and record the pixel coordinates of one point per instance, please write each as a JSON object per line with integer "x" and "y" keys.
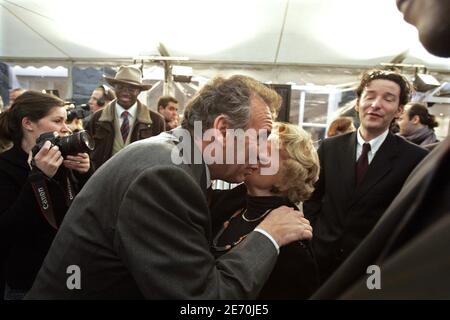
{"x": 125, "y": 119}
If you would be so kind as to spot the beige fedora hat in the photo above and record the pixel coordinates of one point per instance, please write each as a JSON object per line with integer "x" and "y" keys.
{"x": 128, "y": 75}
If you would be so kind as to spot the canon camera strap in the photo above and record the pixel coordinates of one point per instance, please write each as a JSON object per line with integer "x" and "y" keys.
{"x": 39, "y": 184}
{"x": 68, "y": 191}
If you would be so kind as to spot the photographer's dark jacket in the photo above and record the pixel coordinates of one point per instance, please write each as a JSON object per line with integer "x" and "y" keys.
{"x": 25, "y": 234}
{"x": 101, "y": 128}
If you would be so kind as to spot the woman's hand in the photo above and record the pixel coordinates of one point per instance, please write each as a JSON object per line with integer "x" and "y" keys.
{"x": 80, "y": 162}
{"x": 48, "y": 159}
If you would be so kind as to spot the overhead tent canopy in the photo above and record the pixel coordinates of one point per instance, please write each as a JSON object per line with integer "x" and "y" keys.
{"x": 346, "y": 33}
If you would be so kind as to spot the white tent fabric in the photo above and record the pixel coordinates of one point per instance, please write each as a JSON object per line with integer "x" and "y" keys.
{"x": 303, "y": 32}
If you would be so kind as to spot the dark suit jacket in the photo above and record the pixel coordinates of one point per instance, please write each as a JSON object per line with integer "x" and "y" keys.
{"x": 101, "y": 128}
{"x": 409, "y": 243}
{"x": 343, "y": 214}
{"x": 141, "y": 228}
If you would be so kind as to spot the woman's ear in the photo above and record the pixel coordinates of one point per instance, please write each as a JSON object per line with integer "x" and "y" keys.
{"x": 27, "y": 124}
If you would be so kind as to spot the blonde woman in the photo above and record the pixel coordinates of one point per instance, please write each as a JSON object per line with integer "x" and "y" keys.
{"x": 238, "y": 211}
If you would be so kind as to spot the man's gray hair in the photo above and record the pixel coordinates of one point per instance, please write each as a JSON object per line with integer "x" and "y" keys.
{"x": 229, "y": 97}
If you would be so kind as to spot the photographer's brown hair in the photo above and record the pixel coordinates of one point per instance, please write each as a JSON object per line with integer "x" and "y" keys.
{"x": 31, "y": 104}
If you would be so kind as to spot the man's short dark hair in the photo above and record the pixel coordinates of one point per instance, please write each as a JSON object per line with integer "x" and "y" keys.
{"x": 425, "y": 118}
{"x": 406, "y": 88}
{"x": 164, "y": 101}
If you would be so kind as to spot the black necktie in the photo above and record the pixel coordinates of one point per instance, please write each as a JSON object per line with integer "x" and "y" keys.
{"x": 362, "y": 164}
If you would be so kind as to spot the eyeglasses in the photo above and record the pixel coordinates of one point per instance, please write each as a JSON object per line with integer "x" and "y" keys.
{"x": 124, "y": 87}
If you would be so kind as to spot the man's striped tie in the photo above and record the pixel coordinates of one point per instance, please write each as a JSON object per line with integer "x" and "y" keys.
{"x": 125, "y": 127}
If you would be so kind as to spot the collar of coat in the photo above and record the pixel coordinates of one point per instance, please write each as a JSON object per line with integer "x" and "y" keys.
{"x": 142, "y": 113}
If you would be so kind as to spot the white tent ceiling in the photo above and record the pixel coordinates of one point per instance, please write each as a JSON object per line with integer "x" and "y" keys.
{"x": 316, "y": 32}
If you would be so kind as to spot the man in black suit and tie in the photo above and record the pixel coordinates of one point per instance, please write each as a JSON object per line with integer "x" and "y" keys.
{"x": 361, "y": 172}
{"x": 409, "y": 244}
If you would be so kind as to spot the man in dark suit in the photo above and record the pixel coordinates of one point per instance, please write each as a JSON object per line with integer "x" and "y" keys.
{"x": 361, "y": 172}
{"x": 141, "y": 227}
{"x": 125, "y": 119}
{"x": 409, "y": 243}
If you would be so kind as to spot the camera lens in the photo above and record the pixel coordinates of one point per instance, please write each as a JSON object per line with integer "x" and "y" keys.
{"x": 87, "y": 140}
{"x": 76, "y": 143}
{"x": 71, "y": 115}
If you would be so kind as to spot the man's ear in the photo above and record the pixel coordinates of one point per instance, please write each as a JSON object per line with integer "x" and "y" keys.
{"x": 357, "y": 105}
{"x": 221, "y": 124}
{"x": 415, "y": 119}
{"x": 27, "y": 124}
{"x": 400, "y": 110}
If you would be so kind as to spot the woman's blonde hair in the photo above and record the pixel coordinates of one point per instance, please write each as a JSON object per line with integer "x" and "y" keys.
{"x": 299, "y": 170}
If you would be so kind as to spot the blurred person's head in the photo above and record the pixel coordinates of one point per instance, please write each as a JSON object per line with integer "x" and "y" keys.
{"x": 431, "y": 18}
{"x": 32, "y": 114}
{"x": 238, "y": 102}
{"x": 100, "y": 97}
{"x": 415, "y": 117}
{"x": 340, "y": 126}
{"x": 14, "y": 93}
{"x": 298, "y": 165}
{"x": 73, "y": 122}
{"x": 168, "y": 108}
{"x": 381, "y": 96}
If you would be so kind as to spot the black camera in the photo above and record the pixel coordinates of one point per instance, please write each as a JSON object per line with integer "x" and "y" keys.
{"x": 76, "y": 143}
{"x": 79, "y": 112}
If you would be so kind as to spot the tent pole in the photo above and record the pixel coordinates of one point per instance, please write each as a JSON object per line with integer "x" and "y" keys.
{"x": 69, "y": 91}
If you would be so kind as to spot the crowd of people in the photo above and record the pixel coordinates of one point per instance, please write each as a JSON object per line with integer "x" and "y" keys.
{"x": 130, "y": 203}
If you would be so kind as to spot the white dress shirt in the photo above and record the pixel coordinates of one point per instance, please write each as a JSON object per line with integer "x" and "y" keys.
{"x": 131, "y": 113}
{"x": 375, "y": 144}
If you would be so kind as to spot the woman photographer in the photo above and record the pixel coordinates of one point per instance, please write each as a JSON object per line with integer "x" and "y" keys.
{"x": 35, "y": 192}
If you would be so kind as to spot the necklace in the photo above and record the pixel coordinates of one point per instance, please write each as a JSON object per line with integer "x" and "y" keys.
{"x": 227, "y": 247}
{"x": 255, "y": 219}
